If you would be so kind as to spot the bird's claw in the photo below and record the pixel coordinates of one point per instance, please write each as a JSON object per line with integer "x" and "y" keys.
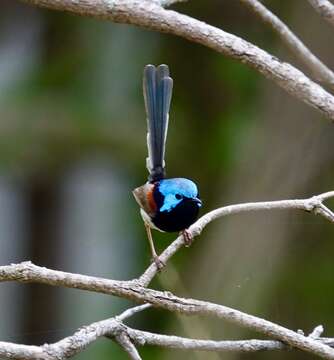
{"x": 158, "y": 262}
{"x": 187, "y": 237}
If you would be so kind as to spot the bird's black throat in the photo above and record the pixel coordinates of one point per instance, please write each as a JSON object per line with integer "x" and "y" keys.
{"x": 179, "y": 218}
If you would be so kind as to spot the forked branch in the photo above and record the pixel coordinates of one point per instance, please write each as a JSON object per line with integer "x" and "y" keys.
{"x": 313, "y": 204}
{"x": 137, "y": 290}
{"x": 319, "y": 70}
{"x": 151, "y": 15}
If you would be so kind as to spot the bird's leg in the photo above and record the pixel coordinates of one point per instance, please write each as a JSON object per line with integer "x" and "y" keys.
{"x": 187, "y": 237}
{"x": 159, "y": 263}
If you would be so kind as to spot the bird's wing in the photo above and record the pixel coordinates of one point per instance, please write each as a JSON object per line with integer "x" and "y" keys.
{"x": 144, "y": 197}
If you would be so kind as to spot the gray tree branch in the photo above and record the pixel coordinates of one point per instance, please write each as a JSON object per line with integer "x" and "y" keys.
{"x": 76, "y": 343}
{"x": 151, "y": 15}
{"x": 136, "y": 290}
{"x": 175, "y": 342}
{"x": 319, "y": 70}
{"x": 114, "y": 328}
{"x": 325, "y": 8}
{"x": 70, "y": 346}
{"x": 125, "y": 342}
{"x": 313, "y": 204}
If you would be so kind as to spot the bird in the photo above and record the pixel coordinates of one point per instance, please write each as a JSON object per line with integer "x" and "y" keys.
{"x": 166, "y": 204}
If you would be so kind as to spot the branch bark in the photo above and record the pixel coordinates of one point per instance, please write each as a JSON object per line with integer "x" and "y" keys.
{"x": 325, "y": 8}
{"x": 175, "y": 342}
{"x": 319, "y": 69}
{"x": 313, "y": 204}
{"x": 114, "y": 328}
{"x": 70, "y": 346}
{"x": 74, "y": 344}
{"x": 125, "y": 342}
{"x": 136, "y": 290}
{"x": 152, "y": 16}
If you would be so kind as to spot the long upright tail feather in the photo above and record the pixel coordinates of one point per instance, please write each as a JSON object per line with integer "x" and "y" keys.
{"x": 157, "y": 86}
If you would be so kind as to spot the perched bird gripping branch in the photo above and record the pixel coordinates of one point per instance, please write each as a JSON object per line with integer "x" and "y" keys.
{"x": 167, "y": 205}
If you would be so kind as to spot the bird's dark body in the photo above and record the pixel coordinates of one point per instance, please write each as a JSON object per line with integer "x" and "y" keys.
{"x": 181, "y": 217}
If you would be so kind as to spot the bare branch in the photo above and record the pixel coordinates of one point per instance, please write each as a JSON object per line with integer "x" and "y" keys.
{"x": 175, "y": 342}
{"x": 64, "y": 348}
{"x": 165, "y": 300}
{"x": 325, "y": 8}
{"x": 166, "y": 3}
{"x": 325, "y": 196}
{"x": 75, "y": 343}
{"x": 132, "y": 311}
{"x": 318, "y": 69}
{"x": 317, "y": 332}
{"x": 313, "y": 204}
{"x": 125, "y": 342}
{"x": 25, "y": 352}
{"x": 115, "y": 329}
{"x": 136, "y": 290}
{"x": 28, "y": 272}
{"x": 150, "y": 15}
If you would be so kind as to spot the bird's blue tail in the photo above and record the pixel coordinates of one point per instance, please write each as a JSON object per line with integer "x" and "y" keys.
{"x": 157, "y": 86}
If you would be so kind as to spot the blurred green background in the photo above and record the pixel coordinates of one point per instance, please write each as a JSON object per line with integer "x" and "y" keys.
{"x": 72, "y": 147}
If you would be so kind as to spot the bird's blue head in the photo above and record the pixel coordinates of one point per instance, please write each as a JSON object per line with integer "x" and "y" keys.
{"x": 176, "y": 191}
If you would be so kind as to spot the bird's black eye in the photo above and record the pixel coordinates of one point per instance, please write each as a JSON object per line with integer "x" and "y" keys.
{"x": 178, "y": 196}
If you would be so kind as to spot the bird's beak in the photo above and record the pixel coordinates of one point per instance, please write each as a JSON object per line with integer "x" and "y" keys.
{"x": 198, "y": 202}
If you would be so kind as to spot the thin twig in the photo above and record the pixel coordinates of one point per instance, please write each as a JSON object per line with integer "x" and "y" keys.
{"x": 313, "y": 204}
{"x": 166, "y": 3}
{"x": 317, "y": 332}
{"x": 125, "y": 342}
{"x": 71, "y": 345}
{"x": 325, "y": 8}
{"x": 150, "y": 15}
{"x": 176, "y": 342}
{"x": 318, "y": 68}
{"x": 132, "y": 311}
{"x": 325, "y": 196}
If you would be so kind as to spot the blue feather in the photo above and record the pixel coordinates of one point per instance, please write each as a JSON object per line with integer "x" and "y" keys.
{"x": 174, "y": 190}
